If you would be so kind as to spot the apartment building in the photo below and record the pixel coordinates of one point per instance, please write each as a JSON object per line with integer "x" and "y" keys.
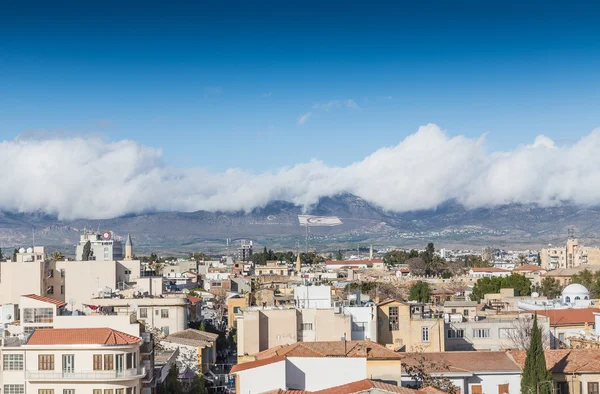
{"x": 571, "y": 255}
{"x": 488, "y": 272}
{"x": 272, "y": 267}
{"x": 168, "y": 314}
{"x": 407, "y": 326}
{"x": 72, "y": 360}
{"x": 98, "y": 247}
{"x": 313, "y": 366}
{"x": 259, "y": 328}
{"x": 26, "y": 275}
{"x": 565, "y": 323}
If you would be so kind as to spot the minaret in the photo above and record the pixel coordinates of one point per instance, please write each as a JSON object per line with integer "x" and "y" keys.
{"x": 128, "y": 248}
{"x": 298, "y": 264}
{"x": 371, "y": 253}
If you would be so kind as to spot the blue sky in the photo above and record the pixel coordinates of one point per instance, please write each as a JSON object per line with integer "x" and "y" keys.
{"x": 225, "y": 86}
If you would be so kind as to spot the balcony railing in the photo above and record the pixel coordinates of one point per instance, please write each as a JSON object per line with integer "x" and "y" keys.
{"x": 126, "y": 374}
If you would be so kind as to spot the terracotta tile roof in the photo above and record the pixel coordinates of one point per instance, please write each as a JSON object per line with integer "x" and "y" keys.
{"x": 369, "y": 349}
{"x": 46, "y": 299}
{"x": 565, "y": 360}
{"x": 529, "y": 267}
{"x": 366, "y": 385}
{"x": 466, "y": 361}
{"x": 81, "y": 336}
{"x": 257, "y": 363}
{"x": 194, "y": 300}
{"x": 488, "y": 269}
{"x": 570, "y": 316}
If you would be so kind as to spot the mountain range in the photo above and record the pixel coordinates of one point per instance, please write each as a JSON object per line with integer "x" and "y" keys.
{"x": 276, "y": 225}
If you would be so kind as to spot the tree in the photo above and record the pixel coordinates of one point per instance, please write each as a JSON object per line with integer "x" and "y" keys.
{"x": 339, "y": 255}
{"x": 517, "y": 282}
{"x": 493, "y": 285}
{"x": 87, "y": 251}
{"x": 1, "y": 255}
{"x": 419, "y": 370}
{"x": 419, "y": 292}
{"x": 171, "y": 385}
{"x": 428, "y": 254}
{"x": 520, "y": 333}
{"x": 535, "y": 375}
{"x": 14, "y": 258}
{"x": 197, "y": 386}
{"x": 538, "y": 260}
{"x": 550, "y": 287}
{"x": 395, "y": 257}
{"x": 521, "y": 260}
{"x": 57, "y": 256}
{"x": 477, "y": 262}
{"x": 416, "y": 266}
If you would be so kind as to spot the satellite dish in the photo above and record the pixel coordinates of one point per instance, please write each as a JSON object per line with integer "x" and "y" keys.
{"x": 22, "y": 250}
{"x": 29, "y": 250}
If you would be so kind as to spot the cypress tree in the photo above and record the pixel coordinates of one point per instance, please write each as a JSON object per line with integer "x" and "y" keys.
{"x": 535, "y": 375}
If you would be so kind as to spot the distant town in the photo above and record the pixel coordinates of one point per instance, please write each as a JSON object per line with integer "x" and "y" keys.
{"x": 257, "y": 320}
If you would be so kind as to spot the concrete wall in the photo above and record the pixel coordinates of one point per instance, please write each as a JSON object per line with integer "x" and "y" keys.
{"x": 388, "y": 371}
{"x": 261, "y": 379}
{"x": 18, "y": 278}
{"x": 83, "y": 279}
{"x": 312, "y": 296}
{"x": 116, "y": 322}
{"x": 318, "y": 373}
{"x": 326, "y": 325}
{"x": 366, "y": 317}
{"x": 489, "y": 382}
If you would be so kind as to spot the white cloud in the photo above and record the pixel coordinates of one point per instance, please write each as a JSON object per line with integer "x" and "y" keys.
{"x": 334, "y": 104}
{"x": 267, "y": 94}
{"x": 73, "y": 176}
{"x": 302, "y": 119}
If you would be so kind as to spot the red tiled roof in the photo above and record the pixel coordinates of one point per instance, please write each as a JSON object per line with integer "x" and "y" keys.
{"x": 488, "y": 269}
{"x": 81, "y": 336}
{"x": 529, "y": 267}
{"x": 194, "y": 300}
{"x": 368, "y": 349}
{"x": 366, "y": 385}
{"x": 565, "y": 360}
{"x": 46, "y": 299}
{"x": 570, "y": 316}
{"x": 256, "y": 363}
{"x": 465, "y": 361}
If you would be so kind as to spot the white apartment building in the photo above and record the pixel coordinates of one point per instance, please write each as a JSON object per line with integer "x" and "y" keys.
{"x": 72, "y": 361}
{"x": 312, "y": 296}
{"x": 489, "y": 272}
{"x": 168, "y": 314}
{"x": 103, "y": 246}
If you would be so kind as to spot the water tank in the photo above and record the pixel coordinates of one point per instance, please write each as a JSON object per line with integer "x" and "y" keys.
{"x": 29, "y": 250}
{"x": 22, "y": 250}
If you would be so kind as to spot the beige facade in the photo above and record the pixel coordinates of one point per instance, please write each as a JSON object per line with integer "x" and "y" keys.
{"x": 26, "y": 275}
{"x": 262, "y": 328}
{"x": 169, "y": 314}
{"x": 234, "y": 308}
{"x": 404, "y": 326}
{"x": 571, "y": 255}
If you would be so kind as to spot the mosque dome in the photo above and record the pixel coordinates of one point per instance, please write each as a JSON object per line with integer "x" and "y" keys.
{"x": 575, "y": 292}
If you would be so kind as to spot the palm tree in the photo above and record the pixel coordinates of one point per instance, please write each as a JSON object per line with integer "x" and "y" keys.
{"x": 57, "y": 256}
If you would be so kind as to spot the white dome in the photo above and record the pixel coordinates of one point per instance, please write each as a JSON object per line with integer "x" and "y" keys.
{"x": 575, "y": 289}
{"x": 575, "y": 292}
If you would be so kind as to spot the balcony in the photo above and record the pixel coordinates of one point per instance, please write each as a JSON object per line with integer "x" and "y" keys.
{"x": 126, "y": 374}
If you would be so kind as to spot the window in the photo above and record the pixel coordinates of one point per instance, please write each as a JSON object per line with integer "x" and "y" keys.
{"x": 49, "y": 290}
{"x": 236, "y": 309}
{"x": 129, "y": 390}
{"x": 165, "y": 330}
{"x": 567, "y": 299}
{"x": 13, "y": 362}
{"x": 68, "y": 391}
{"x": 393, "y": 313}
{"x": 156, "y": 312}
{"x": 481, "y": 333}
{"x": 62, "y": 273}
{"x": 505, "y": 333}
{"x": 307, "y": 326}
{"x": 476, "y": 389}
{"x": 97, "y": 362}
{"x": 97, "y": 391}
{"x": 593, "y": 388}
{"x": 46, "y": 362}
{"x": 164, "y": 313}
{"x": 38, "y": 315}
{"x": 453, "y": 310}
{"x": 143, "y": 313}
{"x": 129, "y": 360}
{"x": 62, "y": 289}
{"x": 109, "y": 362}
{"x": 120, "y": 391}
{"x": 456, "y": 333}
{"x": 14, "y": 389}
{"x": 108, "y": 391}
{"x": 562, "y": 388}
{"x": 50, "y": 273}
{"x": 561, "y": 337}
{"x": 425, "y": 334}
{"x": 466, "y": 312}
{"x": 45, "y": 391}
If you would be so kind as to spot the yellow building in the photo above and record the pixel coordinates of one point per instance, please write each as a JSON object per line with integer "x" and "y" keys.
{"x": 406, "y": 326}
{"x": 272, "y": 268}
{"x": 234, "y": 307}
{"x": 569, "y": 256}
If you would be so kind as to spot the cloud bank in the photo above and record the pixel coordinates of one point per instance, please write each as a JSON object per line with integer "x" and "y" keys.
{"x": 76, "y": 177}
